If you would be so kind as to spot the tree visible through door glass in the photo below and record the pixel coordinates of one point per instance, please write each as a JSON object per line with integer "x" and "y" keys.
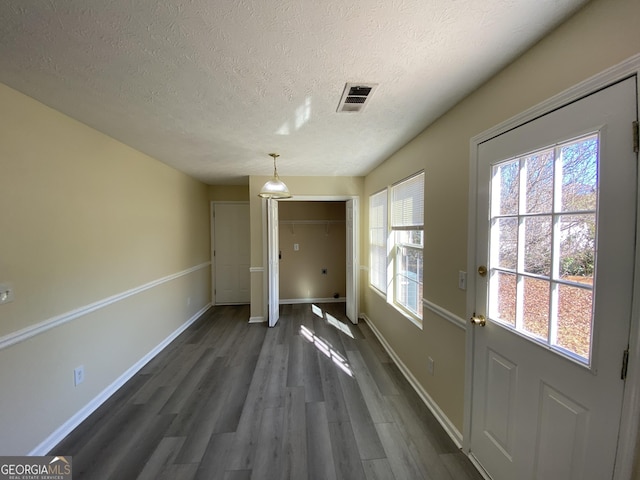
{"x": 542, "y": 248}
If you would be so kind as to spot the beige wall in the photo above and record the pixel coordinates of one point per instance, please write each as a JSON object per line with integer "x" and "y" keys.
{"x": 299, "y": 186}
{"x": 321, "y": 245}
{"x": 86, "y": 218}
{"x": 601, "y": 35}
{"x": 228, "y": 193}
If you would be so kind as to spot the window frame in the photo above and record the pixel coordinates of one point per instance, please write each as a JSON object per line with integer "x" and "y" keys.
{"x": 401, "y": 216}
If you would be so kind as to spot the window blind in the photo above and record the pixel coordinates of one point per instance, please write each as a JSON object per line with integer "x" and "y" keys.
{"x": 407, "y": 203}
{"x": 378, "y": 240}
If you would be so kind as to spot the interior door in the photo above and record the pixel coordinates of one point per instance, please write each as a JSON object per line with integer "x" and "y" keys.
{"x": 555, "y": 229}
{"x": 274, "y": 261}
{"x": 232, "y": 254}
{"x": 352, "y": 261}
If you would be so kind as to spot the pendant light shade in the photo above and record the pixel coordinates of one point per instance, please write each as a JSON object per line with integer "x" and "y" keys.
{"x": 274, "y": 188}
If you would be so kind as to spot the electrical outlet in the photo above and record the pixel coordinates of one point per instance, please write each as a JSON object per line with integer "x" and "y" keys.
{"x": 462, "y": 280}
{"x": 78, "y": 375}
{"x": 430, "y": 366}
{"x": 6, "y": 293}
{"x": 296, "y": 247}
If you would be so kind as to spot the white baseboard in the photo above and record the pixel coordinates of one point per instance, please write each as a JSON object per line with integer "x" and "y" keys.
{"x": 442, "y": 418}
{"x": 257, "y": 320}
{"x": 292, "y": 301}
{"x": 61, "y": 432}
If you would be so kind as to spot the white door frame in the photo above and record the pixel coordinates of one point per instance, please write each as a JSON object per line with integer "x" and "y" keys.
{"x": 212, "y": 209}
{"x": 356, "y": 244}
{"x": 628, "y": 437}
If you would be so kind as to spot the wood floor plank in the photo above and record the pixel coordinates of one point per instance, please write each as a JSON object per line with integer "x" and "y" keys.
{"x": 311, "y": 373}
{"x": 400, "y": 459}
{"x": 418, "y": 440}
{"x": 215, "y": 457}
{"x": 237, "y": 395}
{"x": 201, "y": 377}
{"x": 365, "y": 433}
{"x": 243, "y": 451}
{"x": 275, "y": 391}
{"x": 421, "y": 414}
{"x": 319, "y": 451}
{"x": 460, "y": 466}
{"x": 163, "y": 456}
{"x": 237, "y": 475}
{"x": 332, "y": 391}
{"x": 179, "y": 471}
{"x": 377, "y": 406}
{"x": 378, "y": 469}
{"x": 345, "y": 452}
{"x": 294, "y": 436}
{"x": 381, "y": 376}
{"x": 267, "y": 464}
{"x": 295, "y": 370}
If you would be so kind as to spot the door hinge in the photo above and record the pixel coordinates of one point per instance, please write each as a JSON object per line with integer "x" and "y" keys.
{"x": 625, "y": 364}
{"x": 214, "y": 253}
{"x": 636, "y": 137}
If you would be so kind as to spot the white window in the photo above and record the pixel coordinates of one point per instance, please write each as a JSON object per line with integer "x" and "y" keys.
{"x": 407, "y": 224}
{"x": 378, "y": 232}
{"x": 402, "y": 250}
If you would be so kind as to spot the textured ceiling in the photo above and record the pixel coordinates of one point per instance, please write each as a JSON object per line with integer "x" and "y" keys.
{"x": 210, "y": 86}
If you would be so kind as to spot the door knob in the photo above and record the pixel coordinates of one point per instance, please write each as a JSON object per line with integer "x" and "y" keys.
{"x": 482, "y": 270}
{"x": 478, "y": 320}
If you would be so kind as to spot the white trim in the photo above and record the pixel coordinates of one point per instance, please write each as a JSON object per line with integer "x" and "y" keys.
{"x": 256, "y": 269}
{"x": 67, "y": 427}
{"x": 444, "y": 313}
{"x": 37, "y": 329}
{"x": 257, "y": 320}
{"x": 442, "y": 418}
{"x": 612, "y": 75}
{"x": 630, "y": 417}
{"x": 292, "y": 301}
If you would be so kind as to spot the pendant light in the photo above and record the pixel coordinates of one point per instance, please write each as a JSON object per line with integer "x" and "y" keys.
{"x": 274, "y": 188}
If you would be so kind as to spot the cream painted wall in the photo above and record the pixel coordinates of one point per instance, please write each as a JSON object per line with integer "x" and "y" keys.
{"x": 306, "y": 186}
{"x": 320, "y": 245}
{"x": 228, "y": 193}
{"x": 86, "y": 218}
{"x": 601, "y": 35}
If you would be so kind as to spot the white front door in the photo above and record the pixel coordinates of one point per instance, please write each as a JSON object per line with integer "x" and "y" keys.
{"x": 232, "y": 253}
{"x": 274, "y": 262}
{"x": 555, "y": 230}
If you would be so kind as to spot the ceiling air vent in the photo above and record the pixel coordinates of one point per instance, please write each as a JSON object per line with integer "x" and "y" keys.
{"x": 356, "y": 96}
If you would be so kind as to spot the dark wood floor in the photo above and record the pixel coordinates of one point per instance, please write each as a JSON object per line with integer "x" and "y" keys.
{"x": 313, "y": 398}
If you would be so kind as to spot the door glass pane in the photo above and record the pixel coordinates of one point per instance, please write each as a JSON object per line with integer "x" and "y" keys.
{"x": 537, "y": 254}
{"x": 507, "y": 181}
{"x": 543, "y": 245}
{"x": 508, "y": 239}
{"x": 503, "y": 307}
{"x": 577, "y": 247}
{"x": 535, "y": 315}
{"x": 579, "y": 175}
{"x": 575, "y": 307}
{"x": 539, "y": 194}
